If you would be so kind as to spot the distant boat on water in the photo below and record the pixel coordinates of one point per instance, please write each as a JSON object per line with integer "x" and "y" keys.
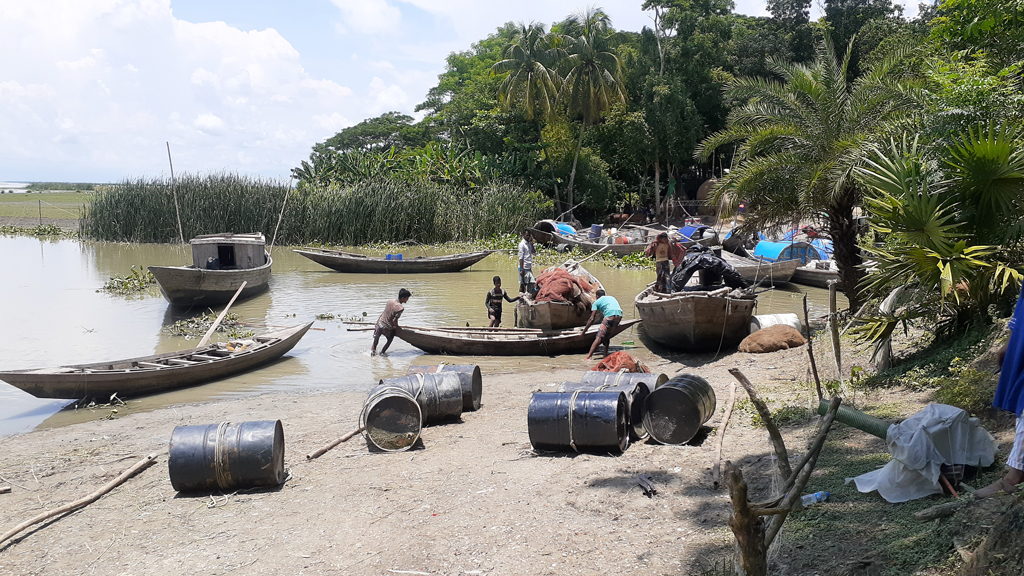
{"x": 220, "y": 263}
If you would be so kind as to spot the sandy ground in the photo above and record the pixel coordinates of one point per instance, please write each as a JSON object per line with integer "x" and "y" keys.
{"x": 473, "y": 499}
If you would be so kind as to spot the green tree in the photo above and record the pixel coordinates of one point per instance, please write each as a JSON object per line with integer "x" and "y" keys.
{"x": 593, "y": 83}
{"x": 531, "y": 80}
{"x": 800, "y": 140}
{"x": 991, "y": 27}
{"x": 845, "y": 18}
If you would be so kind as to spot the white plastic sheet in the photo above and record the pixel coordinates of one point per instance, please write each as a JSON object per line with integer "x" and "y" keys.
{"x": 919, "y": 445}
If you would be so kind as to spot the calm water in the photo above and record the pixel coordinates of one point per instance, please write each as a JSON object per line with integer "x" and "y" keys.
{"x": 51, "y": 314}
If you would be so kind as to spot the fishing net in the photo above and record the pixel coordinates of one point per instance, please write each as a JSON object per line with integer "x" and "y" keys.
{"x": 620, "y": 361}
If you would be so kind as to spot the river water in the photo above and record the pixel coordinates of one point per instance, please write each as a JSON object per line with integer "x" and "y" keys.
{"x": 51, "y": 314}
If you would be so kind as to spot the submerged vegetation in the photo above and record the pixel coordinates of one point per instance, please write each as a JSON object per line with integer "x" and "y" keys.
{"x": 137, "y": 281}
{"x": 45, "y": 230}
{"x": 378, "y": 210}
{"x": 197, "y": 326}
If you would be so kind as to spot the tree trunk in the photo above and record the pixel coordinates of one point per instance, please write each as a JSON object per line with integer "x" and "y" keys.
{"x": 843, "y": 229}
{"x": 572, "y": 174}
{"x": 657, "y": 185}
{"x": 750, "y": 557}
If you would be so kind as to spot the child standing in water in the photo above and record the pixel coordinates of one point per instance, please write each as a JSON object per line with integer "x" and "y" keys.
{"x": 493, "y": 302}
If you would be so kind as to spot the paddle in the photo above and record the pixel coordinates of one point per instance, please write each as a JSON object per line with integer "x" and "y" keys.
{"x": 209, "y": 333}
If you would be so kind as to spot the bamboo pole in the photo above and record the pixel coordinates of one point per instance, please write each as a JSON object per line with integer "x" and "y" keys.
{"x": 279, "y": 216}
{"x": 810, "y": 351}
{"x": 138, "y": 467}
{"x": 331, "y": 446}
{"x": 832, "y": 312}
{"x": 716, "y": 471}
{"x": 174, "y": 192}
{"x": 209, "y": 333}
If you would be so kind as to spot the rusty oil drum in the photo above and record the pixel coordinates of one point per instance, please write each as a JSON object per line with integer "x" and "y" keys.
{"x": 439, "y": 395}
{"x": 391, "y": 419}
{"x": 227, "y": 456}
{"x": 472, "y": 382}
{"x": 675, "y": 411}
{"x": 583, "y": 421}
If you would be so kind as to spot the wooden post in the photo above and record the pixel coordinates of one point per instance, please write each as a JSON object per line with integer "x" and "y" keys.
{"x": 769, "y": 423}
{"x": 40, "y": 212}
{"x": 836, "y": 350}
{"x": 209, "y": 333}
{"x": 331, "y": 446}
{"x": 174, "y": 192}
{"x": 810, "y": 351}
{"x": 716, "y": 470}
{"x": 751, "y": 553}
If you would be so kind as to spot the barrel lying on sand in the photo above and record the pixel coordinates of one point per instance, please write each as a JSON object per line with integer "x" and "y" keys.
{"x": 579, "y": 420}
{"x": 439, "y": 395}
{"x": 391, "y": 419}
{"x": 472, "y": 383}
{"x": 227, "y": 456}
{"x": 675, "y": 411}
{"x": 636, "y": 387}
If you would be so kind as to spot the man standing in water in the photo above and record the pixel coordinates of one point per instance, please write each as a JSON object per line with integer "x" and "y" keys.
{"x": 665, "y": 253}
{"x": 612, "y": 312}
{"x": 387, "y": 324}
{"x": 526, "y": 252}
{"x": 1010, "y": 397}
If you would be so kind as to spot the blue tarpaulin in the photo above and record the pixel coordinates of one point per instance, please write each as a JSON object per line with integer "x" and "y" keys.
{"x": 780, "y": 251}
{"x": 824, "y": 248}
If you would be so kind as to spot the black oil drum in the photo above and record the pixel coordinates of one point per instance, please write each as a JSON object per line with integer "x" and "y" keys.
{"x": 578, "y": 420}
{"x": 635, "y": 396}
{"x": 615, "y": 378}
{"x": 674, "y": 412}
{"x": 472, "y": 383}
{"x": 391, "y": 419}
{"x": 439, "y": 395}
{"x": 227, "y": 456}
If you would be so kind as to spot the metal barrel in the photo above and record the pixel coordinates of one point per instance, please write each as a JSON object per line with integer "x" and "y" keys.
{"x": 472, "y": 383}
{"x": 674, "y": 412}
{"x": 615, "y": 378}
{"x": 578, "y": 420}
{"x": 391, "y": 419}
{"x": 227, "y": 456}
{"x": 439, "y": 395}
{"x": 635, "y": 394}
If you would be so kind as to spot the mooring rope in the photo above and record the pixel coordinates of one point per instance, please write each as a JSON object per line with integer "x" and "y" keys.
{"x": 572, "y": 408}
{"x": 220, "y": 458}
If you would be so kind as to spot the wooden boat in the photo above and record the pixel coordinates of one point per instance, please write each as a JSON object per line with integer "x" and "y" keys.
{"x": 558, "y": 315}
{"x": 695, "y": 321}
{"x": 617, "y": 249}
{"x": 755, "y": 271}
{"x": 360, "y": 263}
{"x": 152, "y": 374}
{"x": 817, "y": 273}
{"x": 220, "y": 263}
{"x": 503, "y": 341}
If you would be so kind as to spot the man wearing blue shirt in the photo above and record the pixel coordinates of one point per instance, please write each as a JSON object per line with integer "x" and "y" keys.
{"x": 612, "y": 312}
{"x": 1010, "y": 397}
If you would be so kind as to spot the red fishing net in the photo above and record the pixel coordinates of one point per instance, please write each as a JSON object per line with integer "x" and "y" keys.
{"x": 557, "y": 285}
{"x": 618, "y": 361}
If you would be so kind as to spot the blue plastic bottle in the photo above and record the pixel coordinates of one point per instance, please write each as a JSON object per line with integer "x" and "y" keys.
{"x": 808, "y": 499}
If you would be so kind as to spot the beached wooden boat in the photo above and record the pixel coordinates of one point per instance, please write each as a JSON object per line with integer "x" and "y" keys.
{"x": 135, "y": 377}
{"x": 361, "y": 263}
{"x": 503, "y": 341}
{"x": 558, "y": 315}
{"x": 817, "y": 273}
{"x": 695, "y": 321}
{"x": 220, "y": 263}
{"x": 755, "y": 271}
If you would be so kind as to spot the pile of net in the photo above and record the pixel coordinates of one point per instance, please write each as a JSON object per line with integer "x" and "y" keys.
{"x": 620, "y": 361}
{"x": 558, "y": 285}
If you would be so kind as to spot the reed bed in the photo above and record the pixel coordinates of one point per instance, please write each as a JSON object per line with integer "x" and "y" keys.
{"x": 379, "y": 210}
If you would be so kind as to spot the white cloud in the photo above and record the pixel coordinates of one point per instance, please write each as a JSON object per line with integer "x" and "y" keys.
{"x": 209, "y": 123}
{"x": 333, "y": 122}
{"x": 386, "y": 97}
{"x": 368, "y": 16}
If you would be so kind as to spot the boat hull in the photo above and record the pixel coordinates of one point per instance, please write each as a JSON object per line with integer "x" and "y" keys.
{"x": 360, "y": 264}
{"x": 694, "y": 321}
{"x": 549, "y": 316}
{"x": 481, "y": 343}
{"x": 811, "y": 276}
{"x": 128, "y": 380}
{"x": 188, "y": 286}
{"x": 754, "y": 271}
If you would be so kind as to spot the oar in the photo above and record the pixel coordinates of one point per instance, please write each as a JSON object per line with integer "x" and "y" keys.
{"x": 209, "y": 333}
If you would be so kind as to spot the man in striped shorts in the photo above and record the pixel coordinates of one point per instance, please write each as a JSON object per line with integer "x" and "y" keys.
{"x": 1010, "y": 396}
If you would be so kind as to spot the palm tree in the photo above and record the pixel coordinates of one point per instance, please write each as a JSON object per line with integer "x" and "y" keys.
{"x": 593, "y": 83}
{"x": 801, "y": 139}
{"x": 532, "y": 80}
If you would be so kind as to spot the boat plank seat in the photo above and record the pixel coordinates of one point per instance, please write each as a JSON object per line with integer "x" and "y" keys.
{"x": 182, "y": 362}
{"x": 151, "y": 365}
{"x": 205, "y": 357}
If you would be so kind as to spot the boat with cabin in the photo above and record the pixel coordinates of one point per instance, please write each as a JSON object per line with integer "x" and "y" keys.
{"x": 220, "y": 263}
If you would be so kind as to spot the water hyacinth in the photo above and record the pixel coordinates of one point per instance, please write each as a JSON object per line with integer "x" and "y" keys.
{"x": 378, "y": 210}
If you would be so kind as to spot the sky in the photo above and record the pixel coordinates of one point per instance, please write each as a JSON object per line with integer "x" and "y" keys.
{"x": 95, "y": 90}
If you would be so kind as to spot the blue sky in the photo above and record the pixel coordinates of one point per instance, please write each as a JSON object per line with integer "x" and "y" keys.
{"x": 95, "y": 88}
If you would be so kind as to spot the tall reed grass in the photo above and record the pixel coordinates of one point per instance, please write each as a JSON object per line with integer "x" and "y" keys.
{"x": 378, "y": 210}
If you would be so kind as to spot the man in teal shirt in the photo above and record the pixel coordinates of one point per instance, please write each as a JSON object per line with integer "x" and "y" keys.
{"x": 612, "y": 312}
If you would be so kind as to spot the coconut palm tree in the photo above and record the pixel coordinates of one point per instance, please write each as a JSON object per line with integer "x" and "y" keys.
{"x": 800, "y": 140}
{"x": 532, "y": 81}
{"x": 593, "y": 83}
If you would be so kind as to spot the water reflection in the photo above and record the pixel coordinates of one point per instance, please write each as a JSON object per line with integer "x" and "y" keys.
{"x": 51, "y": 314}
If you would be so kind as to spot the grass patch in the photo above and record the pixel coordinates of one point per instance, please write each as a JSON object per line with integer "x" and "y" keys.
{"x": 783, "y": 416}
{"x": 44, "y": 231}
{"x": 57, "y": 205}
{"x": 196, "y": 327}
{"x": 137, "y": 281}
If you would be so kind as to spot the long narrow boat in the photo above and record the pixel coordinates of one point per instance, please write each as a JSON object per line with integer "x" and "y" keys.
{"x": 616, "y": 249}
{"x": 755, "y": 271}
{"x": 513, "y": 342}
{"x": 558, "y": 315}
{"x": 220, "y": 263}
{"x": 817, "y": 273}
{"x": 361, "y": 263}
{"x": 152, "y": 374}
{"x": 695, "y": 321}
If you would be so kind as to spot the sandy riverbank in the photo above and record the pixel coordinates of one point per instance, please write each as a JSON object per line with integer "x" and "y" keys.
{"x": 475, "y": 499}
